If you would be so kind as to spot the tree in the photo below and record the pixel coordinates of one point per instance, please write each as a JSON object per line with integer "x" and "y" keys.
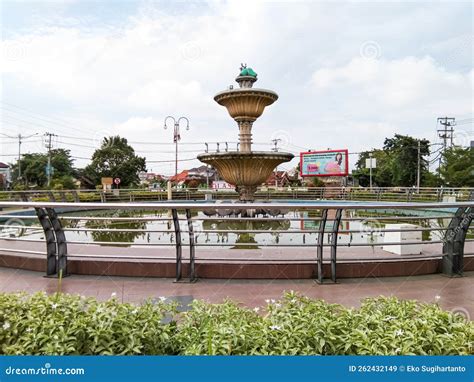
{"x": 33, "y": 168}
{"x": 397, "y": 163}
{"x": 457, "y": 167}
{"x": 403, "y": 155}
{"x": 116, "y": 159}
{"x": 64, "y": 182}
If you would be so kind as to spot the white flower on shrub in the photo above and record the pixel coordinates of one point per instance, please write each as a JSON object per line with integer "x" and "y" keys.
{"x": 275, "y": 327}
{"x": 6, "y": 326}
{"x": 256, "y": 309}
{"x": 134, "y": 311}
{"x": 270, "y": 301}
{"x": 162, "y": 298}
{"x": 437, "y": 298}
{"x": 28, "y": 330}
{"x": 54, "y": 306}
{"x": 113, "y": 295}
{"x": 399, "y": 332}
{"x": 278, "y": 305}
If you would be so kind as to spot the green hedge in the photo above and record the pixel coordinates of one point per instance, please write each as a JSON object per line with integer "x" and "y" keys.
{"x": 66, "y": 324}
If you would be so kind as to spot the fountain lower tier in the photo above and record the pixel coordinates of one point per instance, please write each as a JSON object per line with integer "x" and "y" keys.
{"x": 245, "y": 170}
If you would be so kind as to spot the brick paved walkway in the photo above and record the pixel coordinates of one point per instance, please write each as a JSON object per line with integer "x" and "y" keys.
{"x": 455, "y": 293}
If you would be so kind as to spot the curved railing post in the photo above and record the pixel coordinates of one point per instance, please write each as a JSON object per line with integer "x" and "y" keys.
{"x": 51, "y": 261}
{"x": 334, "y": 235}
{"x": 322, "y": 227}
{"x": 179, "y": 251}
{"x": 192, "y": 247}
{"x": 60, "y": 242}
{"x": 454, "y": 239}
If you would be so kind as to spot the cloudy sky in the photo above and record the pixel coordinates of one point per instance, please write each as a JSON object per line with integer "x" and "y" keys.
{"x": 348, "y": 74}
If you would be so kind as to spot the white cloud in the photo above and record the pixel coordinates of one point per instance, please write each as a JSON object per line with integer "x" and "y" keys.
{"x": 408, "y": 86}
{"x": 126, "y": 76}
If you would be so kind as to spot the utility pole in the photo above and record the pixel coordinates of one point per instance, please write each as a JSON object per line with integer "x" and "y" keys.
{"x": 275, "y": 149}
{"x": 20, "y": 139}
{"x": 419, "y": 168}
{"x": 446, "y": 133}
{"x": 49, "y": 146}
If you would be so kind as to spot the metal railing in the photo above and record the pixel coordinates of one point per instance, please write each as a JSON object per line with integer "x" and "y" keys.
{"x": 388, "y": 194}
{"x": 325, "y": 218}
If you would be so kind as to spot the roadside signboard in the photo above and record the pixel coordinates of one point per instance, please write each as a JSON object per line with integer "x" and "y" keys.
{"x": 222, "y": 185}
{"x": 324, "y": 163}
{"x": 371, "y": 163}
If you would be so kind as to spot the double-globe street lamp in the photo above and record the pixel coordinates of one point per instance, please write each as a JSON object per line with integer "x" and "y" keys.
{"x": 176, "y": 135}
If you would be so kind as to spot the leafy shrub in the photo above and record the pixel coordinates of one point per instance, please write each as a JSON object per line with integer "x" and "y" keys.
{"x": 89, "y": 197}
{"x": 66, "y": 324}
{"x": 221, "y": 329}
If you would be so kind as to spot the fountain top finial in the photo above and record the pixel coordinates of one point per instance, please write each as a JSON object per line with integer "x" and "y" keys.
{"x": 247, "y": 76}
{"x": 244, "y": 71}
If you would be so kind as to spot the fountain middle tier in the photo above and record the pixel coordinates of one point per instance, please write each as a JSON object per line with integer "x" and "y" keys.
{"x": 245, "y": 170}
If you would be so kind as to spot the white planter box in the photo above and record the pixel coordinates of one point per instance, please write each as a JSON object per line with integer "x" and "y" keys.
{"x": 401, "y": 237}
{"x": 449, "y": 199}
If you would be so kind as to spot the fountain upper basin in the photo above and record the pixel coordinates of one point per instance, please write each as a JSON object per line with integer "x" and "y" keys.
{"x": 246, "y": 103}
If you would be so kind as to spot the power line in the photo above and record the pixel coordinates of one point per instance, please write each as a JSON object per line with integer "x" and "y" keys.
{"x": 44, "y": 118}
{"x": 170, "y": 161}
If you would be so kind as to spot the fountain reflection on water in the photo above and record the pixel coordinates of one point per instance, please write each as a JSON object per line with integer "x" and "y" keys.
{"x": 271, "y": 230}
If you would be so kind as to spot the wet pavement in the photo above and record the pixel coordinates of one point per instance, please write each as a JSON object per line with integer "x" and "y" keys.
{"x": 454, "y": 293}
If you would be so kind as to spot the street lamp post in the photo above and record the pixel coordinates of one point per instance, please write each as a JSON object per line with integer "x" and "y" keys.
{"x": 176, "y": 135}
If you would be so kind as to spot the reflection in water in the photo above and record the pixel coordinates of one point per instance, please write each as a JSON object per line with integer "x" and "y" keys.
{"x": 124, "y": 237}
{"x": 364, "y": 229}
{"x": 245, "y": 240}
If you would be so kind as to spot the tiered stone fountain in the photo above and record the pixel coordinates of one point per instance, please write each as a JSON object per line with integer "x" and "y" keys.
{"x": 246, "y": 169}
